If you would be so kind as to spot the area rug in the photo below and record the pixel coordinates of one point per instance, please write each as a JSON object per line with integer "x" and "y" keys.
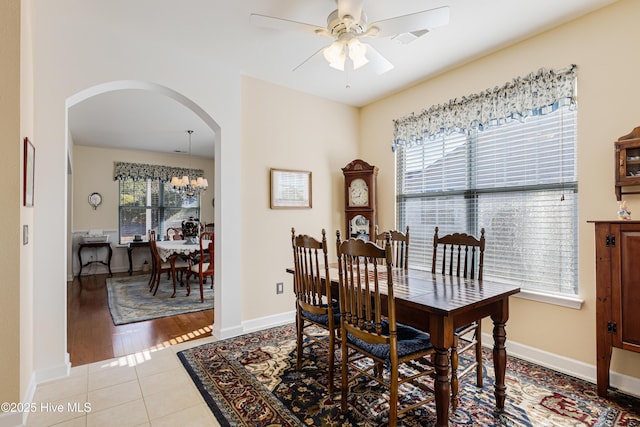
{"x": 251, "y": 380}
{"x": 130, "y": 300}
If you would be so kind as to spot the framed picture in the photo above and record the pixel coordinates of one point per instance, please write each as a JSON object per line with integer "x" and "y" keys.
{"x": 290, "y": 189}
{"x": 29, "y": 169}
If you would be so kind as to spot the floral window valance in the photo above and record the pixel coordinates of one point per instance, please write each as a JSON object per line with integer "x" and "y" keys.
{"x": 141, "y": 171}
{"x": 537, "y": 93}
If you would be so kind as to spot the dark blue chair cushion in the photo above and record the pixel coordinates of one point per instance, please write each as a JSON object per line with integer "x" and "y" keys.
{"x": 323, "y": 319}
{"x": 410, "y": 340}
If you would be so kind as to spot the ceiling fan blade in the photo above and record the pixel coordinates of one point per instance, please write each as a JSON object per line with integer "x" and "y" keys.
{"x": 424, "y": 20}
{"x": 318, "y": 52}
{"x": 379, "y": 63}
{"x": 287, "y": 25}
{"x": 352, "y": 8}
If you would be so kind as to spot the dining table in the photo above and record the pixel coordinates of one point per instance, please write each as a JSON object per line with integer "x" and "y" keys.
{"x": 169, "y": 250}
{"x": 438, "y": 304}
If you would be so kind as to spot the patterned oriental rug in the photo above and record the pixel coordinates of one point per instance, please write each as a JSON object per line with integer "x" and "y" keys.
{"x": 251, "y": 380}
{"x": 130, "y": 300}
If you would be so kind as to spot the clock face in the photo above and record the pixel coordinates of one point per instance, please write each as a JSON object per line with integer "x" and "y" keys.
{"x": 358, "y": 193}
{"x": 95, "y": 199}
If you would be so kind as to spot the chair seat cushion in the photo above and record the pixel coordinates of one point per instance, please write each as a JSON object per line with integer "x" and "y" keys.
{"x": 410, "y": 340}
{"x": 196, "y": 267}
{"x": 323, "y": 319}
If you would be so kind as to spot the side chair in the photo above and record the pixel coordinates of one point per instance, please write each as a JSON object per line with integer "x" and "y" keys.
{"x": 462, "y": 256}
{"x": 317, "y": 312}
{"x": 202, "y": 265}
{"x": 158, "y": 266}
{"x": 174, "y": 233}
{"x": 374, "y": 346}
{"x": 399, "y": 245}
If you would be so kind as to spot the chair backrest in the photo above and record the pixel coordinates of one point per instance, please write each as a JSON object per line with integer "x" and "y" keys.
{"x": 364, "y": 270}
{"x": 174, "y": 233}
{"x": 462, "y": 254}
{"x": 310, "y": 264}
{"x": 399, "y": 245}
{"x": 206, "y": 249}
{"x": 155, "y": 257}
{"x": 209, "y": 227}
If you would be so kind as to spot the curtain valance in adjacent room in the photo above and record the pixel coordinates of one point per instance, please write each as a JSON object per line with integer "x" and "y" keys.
{"x": 537, "y": 93}
{"x": 141, "y": 171}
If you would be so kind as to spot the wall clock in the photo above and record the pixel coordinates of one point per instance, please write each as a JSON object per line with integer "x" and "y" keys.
{"x": 360, "y": 199}
{"x": 95, "y": 199}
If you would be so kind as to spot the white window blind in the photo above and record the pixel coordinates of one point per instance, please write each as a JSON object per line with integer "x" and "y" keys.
{"x": 516, "y": 179}
{"x": 149, "y": 204}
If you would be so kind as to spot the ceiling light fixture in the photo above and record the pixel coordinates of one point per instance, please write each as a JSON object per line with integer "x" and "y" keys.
{"x": 189, "y": 188}
{"x": 336, "y": 53}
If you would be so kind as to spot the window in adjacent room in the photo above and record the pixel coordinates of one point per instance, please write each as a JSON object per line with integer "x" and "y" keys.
{"x": 151, "y": 205}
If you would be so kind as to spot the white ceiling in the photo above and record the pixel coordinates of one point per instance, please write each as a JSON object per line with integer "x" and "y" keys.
{"x": 146, "y": 121}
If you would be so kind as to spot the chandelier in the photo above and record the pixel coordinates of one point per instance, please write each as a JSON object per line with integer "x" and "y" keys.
{"x": 189, "y": 188}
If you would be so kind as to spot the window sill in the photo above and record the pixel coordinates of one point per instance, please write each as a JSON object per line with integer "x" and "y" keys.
{"x": 561, "y": 300}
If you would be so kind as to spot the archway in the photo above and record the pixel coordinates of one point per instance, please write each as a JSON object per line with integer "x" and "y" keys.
{"x": 155, "y": 89}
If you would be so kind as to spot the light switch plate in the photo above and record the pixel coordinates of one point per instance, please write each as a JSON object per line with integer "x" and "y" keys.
{"x": 25, "y": 234}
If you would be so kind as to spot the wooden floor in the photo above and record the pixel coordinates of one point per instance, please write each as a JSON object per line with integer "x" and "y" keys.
{"x": 92, "y": 336}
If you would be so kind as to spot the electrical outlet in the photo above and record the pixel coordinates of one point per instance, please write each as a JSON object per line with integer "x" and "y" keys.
{"x": 279, "y": 288}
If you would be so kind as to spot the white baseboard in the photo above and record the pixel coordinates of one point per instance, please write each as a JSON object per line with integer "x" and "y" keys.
{"x": 268, "y": 321}
{"x": 56, "y": 372}
{"x": 17, "y": 419}
{"x": 624, "y": 383}
{"x": 11, "y": 419}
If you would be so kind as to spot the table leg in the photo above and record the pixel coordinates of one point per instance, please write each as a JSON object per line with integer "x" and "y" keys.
{"x": 80, "y": 259}
{"x": 130, "y": 263}
{"x": 442, "y": 386}
{"x": 172, "y": 260}
{"x": 109, "y": 261}
{"x": 500, "y": 353}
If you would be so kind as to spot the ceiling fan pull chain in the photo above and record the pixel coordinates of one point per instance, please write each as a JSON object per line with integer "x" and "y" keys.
{"x": 347, "y": 73}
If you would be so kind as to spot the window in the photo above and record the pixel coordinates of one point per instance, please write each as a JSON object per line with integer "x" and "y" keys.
{"x": 516, "y": 179}
{"x": 151, "y": 205}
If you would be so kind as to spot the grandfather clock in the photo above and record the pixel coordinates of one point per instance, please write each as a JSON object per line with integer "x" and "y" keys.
{"x": 360, "y": 199}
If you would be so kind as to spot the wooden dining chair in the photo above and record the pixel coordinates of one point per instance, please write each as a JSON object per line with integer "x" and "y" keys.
{"x": 174, "y": 233}
{"x": 377, "y": 347}
{"x": 158, "y": 266}
{"x": 462, "y": 255}
{"x": 202, "y": 265}
{"x": 317, "y": 311}
{"x": 399, "y": 245}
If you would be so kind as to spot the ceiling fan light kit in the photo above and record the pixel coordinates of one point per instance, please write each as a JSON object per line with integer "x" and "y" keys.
{"x": 348, "y": 24}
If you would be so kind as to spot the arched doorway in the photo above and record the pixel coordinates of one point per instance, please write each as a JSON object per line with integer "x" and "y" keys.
{"x": 144, "y": 88}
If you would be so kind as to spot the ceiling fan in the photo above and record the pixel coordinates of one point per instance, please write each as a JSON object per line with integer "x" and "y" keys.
{"x": 348, "y": 24}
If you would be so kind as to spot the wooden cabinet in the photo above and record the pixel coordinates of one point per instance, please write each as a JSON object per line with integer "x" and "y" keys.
{"x": 617, "y": 292}
{"x": 627, "y": 152}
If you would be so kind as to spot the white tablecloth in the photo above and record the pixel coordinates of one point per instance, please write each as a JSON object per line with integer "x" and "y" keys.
{"x": 167, "y": 248}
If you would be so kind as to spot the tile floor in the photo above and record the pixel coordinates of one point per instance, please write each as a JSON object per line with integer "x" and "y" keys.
{"x": 149, "y": 388}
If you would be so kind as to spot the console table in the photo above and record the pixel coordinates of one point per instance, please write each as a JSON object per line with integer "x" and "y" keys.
{"x": 130, "y": 247}
{"x": 95, "y": 245}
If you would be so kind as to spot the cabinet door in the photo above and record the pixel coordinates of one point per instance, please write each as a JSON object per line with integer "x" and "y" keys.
{"x": 628, "y": 323}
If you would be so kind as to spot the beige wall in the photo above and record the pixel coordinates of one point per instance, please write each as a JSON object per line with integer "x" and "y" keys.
{"x": 288, "y": 130}
{"x": 604, "y": 46}
{"x": 10, "y": 193}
